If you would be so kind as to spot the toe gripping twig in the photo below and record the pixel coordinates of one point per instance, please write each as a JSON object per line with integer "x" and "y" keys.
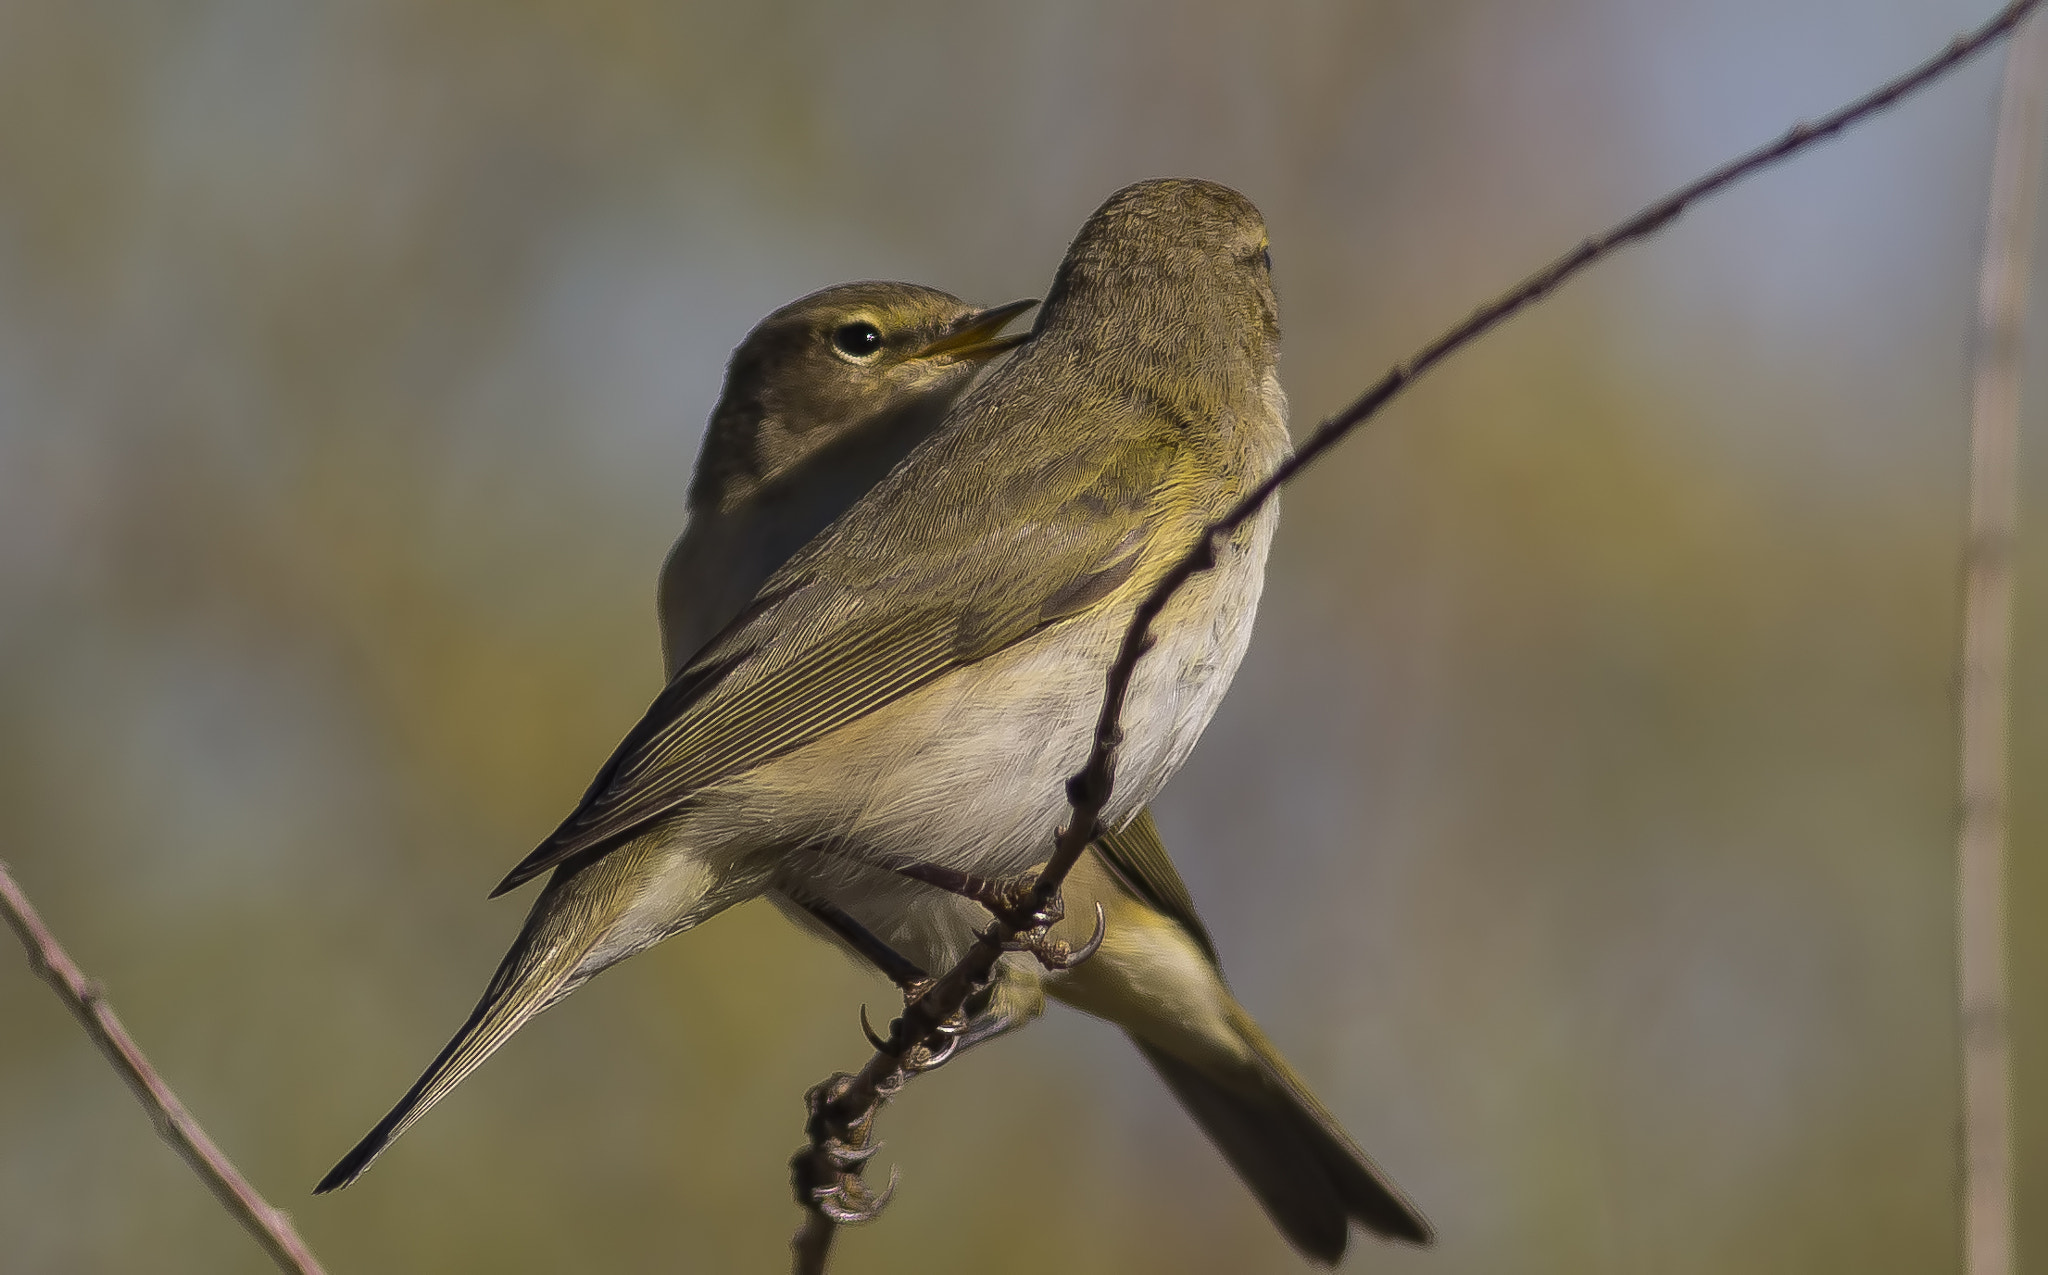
{"x": 826, "y": 1172}
{"x": 1015, "y": 903}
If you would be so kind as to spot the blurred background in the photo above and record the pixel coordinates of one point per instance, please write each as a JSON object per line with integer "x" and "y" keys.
{"x": 1580, "y": 823}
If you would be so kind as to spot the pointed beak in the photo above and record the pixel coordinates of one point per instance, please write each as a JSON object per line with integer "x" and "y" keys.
{"x": 974, "y": 337}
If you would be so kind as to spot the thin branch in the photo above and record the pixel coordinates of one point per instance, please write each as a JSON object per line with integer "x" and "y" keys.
{"x": 812, "y": 1245}
{"x": 844, "y": 1107}
{"x": 1986, "y": 681}
{"x": 269, "y": 1226}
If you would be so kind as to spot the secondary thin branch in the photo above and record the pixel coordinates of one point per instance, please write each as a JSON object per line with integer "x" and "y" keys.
{"x": 268, "y": 1225}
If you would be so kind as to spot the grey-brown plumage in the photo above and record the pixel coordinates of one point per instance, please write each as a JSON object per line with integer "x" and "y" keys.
{"x": 955, "y": 620}
{"x": 821, "y": 399}
{"x": 824, "y": 397}
{"x": 1297, "y": 1160}
{"x": 919, "y": 679}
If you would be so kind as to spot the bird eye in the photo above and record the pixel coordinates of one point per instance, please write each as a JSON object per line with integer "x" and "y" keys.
{"x": 859, "y": 340}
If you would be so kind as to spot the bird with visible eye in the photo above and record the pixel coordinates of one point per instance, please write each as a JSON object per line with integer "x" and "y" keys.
{"x": 885, "y": 728}
{"x": 1156, "y": 974}
{"x": 821, "y": 399}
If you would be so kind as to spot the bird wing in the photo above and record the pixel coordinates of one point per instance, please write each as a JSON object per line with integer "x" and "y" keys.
{"x": 903, "y": 589}
{"x": 1138, "y": 857}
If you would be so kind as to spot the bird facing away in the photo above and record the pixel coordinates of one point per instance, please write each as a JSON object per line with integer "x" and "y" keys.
{"x": 1156, "y": 975}
{"x": 915, "y": 683}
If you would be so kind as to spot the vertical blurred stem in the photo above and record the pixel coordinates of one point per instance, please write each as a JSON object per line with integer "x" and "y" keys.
{"x": 1987, "y": 659}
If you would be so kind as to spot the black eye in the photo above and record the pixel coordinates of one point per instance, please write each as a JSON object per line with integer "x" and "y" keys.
{"x": 857, "y": 340}
{"x": 1266, "y": 255}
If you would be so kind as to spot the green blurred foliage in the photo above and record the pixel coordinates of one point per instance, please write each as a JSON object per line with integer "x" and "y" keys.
{"x": 1581, "y": 821}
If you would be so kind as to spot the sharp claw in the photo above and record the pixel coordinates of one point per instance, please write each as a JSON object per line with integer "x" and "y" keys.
{"x": 844, "y": 1157}
{"x": 832, "y": 1206}
{"x": 1094, "y": 942}
{"x": 881, "y": 1201}
{"x": 881, "y": 1046}
{"x": 850, "y": 1201}
{"x": 935, "y": 1059}
{"x": 1053, "y": 953}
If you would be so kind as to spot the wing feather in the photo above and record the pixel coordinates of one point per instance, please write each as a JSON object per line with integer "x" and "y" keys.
{"x": 820, "y": 649}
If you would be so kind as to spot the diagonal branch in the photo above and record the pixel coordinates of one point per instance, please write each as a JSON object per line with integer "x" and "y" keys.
{"x": 844, "y": 1108}
{"x": 268, "y": 1225}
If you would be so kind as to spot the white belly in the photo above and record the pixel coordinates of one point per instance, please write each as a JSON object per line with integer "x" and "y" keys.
{"x": 971, "y": 772}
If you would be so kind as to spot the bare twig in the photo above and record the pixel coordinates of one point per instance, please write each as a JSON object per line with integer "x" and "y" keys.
{"x": 844, "y": 1107}
{"x": 1986, "y": 683}
{"x": 269, "y": 1226}
{"x": 812, "y": 1245}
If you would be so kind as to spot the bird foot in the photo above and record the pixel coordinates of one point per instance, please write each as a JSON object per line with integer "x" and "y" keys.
{"x": 1056, "y": 955}
{"x": 1013, "y": 900}
{"x": 1008, "y": 899}
{"x": 826, "y": 1173}
{"x": 852, "y": 1200}
{"x": 919, "y": 1056}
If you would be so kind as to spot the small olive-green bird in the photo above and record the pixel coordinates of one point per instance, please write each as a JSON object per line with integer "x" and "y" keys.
{"x": 824, "y": 397}
{"x": 917, "y": 681}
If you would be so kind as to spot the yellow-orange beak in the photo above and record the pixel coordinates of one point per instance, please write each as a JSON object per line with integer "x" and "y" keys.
{"x": 974, "y": 337}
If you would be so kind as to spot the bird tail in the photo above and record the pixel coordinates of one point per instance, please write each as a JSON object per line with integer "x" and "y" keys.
{"x": 540, "y": 969}
{"x": 1311, "y": 1178}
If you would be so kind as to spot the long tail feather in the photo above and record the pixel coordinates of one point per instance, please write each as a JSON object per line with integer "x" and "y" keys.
{"x": 540, "y": 969}
{"x": 1311, "y": 1178}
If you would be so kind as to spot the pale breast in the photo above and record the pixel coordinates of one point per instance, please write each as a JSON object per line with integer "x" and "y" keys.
{"x": 970, "y": 771}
